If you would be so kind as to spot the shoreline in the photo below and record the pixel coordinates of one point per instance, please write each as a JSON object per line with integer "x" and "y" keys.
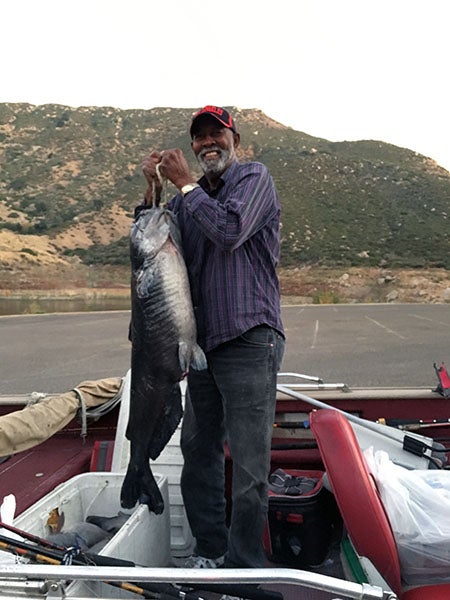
{"x": 64, "y": 294}
{"x": 301, "y": 285}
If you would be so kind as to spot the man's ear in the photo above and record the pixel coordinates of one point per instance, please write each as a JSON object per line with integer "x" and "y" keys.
{"x": 236, "y": 139}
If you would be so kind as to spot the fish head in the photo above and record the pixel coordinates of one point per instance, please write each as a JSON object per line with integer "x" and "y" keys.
{"x": 151, "y": 231}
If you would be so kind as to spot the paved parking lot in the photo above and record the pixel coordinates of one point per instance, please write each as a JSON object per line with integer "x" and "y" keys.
{"x": 373, "y": 345}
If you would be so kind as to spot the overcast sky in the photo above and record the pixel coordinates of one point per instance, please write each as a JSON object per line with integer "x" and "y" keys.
{"x": 337, "y": 69}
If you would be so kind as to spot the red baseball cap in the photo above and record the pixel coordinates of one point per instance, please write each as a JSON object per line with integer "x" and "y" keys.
{"x": 222, "y": 115}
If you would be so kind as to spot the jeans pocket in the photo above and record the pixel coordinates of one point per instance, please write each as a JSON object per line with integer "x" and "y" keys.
{"x": 260, "y": 336}
{"x": 280, "y": 347}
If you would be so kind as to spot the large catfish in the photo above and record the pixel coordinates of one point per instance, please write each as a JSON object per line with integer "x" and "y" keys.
{"x": 163, "y": 336}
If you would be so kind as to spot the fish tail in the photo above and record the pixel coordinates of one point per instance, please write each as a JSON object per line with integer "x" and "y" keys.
{"x": 183, "y": 356}
{"x": 140, "y": 485}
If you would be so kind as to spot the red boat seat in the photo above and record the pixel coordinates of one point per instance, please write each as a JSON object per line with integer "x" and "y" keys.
{"x": 102, "y": 455}
{"x": 360, "y": 504}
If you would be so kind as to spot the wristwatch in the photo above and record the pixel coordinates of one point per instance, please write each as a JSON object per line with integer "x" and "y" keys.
{"x": 188, "y": 188}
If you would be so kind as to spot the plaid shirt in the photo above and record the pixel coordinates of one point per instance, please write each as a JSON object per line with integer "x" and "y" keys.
{"x": 231, "y": 246}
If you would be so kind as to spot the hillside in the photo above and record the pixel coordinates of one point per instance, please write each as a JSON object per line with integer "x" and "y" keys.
{"x": 70, "y": 178}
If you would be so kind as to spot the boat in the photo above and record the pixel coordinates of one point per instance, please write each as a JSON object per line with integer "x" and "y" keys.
{"x": 74, "y": 467}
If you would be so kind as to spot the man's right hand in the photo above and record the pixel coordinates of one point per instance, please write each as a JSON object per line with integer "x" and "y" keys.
{"x": 149, "y": 165}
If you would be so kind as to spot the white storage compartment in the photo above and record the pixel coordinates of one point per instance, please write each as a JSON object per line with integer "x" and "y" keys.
{"x": 168, "y": 463}
{"x": 144, "y": 538}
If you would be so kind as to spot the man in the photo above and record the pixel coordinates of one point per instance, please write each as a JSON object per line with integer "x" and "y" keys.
{"x": 229, "y": 220}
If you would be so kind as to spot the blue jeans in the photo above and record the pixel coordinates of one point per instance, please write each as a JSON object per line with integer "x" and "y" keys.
{"x": 234, "y": 401}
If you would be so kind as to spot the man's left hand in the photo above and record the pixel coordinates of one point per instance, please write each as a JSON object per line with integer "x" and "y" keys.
{"x": 174, "y": 167}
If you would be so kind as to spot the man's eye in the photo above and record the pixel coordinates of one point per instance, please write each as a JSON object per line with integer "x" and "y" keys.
{"x": 215, "y": 134}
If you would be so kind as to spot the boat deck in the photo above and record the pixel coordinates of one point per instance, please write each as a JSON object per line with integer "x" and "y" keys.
{"x": 33, "y": 473}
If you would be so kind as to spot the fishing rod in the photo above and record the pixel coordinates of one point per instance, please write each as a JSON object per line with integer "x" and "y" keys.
{"x": 312, "y": 445}
{"x": 352, "y": 418}
{"x": 249, "y": 592}
{"x": 16, "y": 548}
{"x": 156, "y": 591}
{"x": 413, "y": 443}
{"x": 412, "y": 424}
{"x": 291, "y": 425}
{"x": 63, "y": 555}
{"x": 134, "y": 589}
{"x": 32, "y": 538}
{"x": 19, "y": 548}
{"x": 377, "y": 427}
{"x": 54, "y": 557}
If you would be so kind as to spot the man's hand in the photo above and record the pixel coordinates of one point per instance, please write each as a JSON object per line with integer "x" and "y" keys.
{"x": 171, "y": 165}
{"x": 149, "y": 165}
{"x": 174, "y": 167}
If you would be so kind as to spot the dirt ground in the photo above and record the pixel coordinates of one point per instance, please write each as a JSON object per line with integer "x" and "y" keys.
{"x": 33, "y": 265}
{"x": 321, "y": 285}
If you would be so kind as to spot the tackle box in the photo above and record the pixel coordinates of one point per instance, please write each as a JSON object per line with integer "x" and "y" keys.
{"x": 302, "y": 518}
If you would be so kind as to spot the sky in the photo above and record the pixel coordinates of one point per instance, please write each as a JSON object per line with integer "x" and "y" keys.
{"x": 335, "y": 69}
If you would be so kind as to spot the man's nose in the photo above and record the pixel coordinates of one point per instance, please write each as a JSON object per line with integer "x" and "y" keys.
{"x": 209, "y": 140}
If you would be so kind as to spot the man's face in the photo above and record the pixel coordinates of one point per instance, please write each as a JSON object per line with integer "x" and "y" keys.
{"x": 214, "y": 146}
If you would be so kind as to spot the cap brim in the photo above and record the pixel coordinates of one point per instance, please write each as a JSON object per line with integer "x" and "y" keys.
{"x": 196, "y": 120}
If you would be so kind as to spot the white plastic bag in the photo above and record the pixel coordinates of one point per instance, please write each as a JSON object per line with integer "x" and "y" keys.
{"x": 7, "y": 512}
{"x": 417, "y": 503}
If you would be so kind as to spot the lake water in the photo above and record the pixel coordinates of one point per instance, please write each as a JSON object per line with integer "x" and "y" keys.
{"x": 24, "y": 306}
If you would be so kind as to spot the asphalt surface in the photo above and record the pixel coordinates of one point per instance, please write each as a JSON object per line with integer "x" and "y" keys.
{"x": 360, "y": 345}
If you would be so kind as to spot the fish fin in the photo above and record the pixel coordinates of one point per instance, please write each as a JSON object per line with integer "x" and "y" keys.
{"x": 167, "y": 423}
{"x": 175, "y": 232}
{"x": 183, "y": 356}
{"x": 143, "y": 281}
{"x": 198, "y": 359}
{"x": 191, "y": 356}
{"x": 140, "y": 485}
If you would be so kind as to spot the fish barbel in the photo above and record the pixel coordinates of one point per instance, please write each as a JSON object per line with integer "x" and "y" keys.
{"x": 163, "y": 337}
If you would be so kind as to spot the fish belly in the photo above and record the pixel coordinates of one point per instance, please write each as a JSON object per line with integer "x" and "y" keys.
{"x": 163, "y": 336}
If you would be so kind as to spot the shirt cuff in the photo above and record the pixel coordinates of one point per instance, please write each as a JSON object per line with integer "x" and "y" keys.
{"x": 193, "y": 200}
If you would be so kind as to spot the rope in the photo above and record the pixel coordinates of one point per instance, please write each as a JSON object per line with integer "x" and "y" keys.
{"x": 83, "y": 409}
{"x": 161, "y": 179}
{"x": 157, "y": 193}
{"x": 95, "y": 412}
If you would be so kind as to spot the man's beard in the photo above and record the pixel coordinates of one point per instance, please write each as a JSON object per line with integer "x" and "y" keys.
{"x": 215, "y": 166}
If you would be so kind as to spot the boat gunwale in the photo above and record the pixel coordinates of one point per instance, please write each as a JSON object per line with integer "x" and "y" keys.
{"x": 267, "y": 576}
